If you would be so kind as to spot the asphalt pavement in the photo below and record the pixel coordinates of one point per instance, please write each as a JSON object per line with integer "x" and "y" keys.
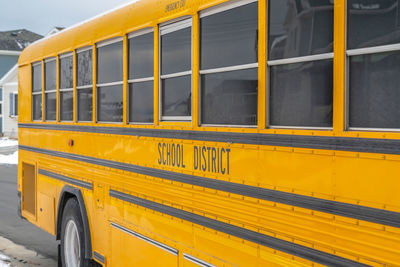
{"x": 16, "y": 229}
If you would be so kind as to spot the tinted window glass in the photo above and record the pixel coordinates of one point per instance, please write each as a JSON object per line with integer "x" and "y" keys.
{"x": 109, "y": 63}
{"x": 141, "y": 56}
{"x": 66, "y": 66}
{"x": 141, "y": 102}
{"x": 229, "y": 97}
{"x": 37, "y": 107}
{"x": 37, "y": 78}
{"x": 51, "y": 106}
{"x": 176, "y": 96}
{"x": 85, "y": 104}
{"x": 374, "y": 92}
{"x": 51, "y": 75}
{"x": 373, "y": 23}
{"x": 300, "y": 28}
{"x": 16, "y": 104}
{"x": 176, "y": 51}
{"x": 110, "y": 103}
{"x": 232, "y": 32}
{"x": 301, "y": 94}
{"x": 84, "y": 68}
{"x": 66, "y": 106}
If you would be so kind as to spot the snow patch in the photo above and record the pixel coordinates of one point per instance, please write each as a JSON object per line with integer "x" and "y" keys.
{"x": 4, "y": 260}
{"x": 9, "y": 159}
{"x": 4, "y": 141}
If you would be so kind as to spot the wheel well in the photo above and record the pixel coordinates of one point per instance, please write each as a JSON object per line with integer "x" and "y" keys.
{"x": 67, "y": 193}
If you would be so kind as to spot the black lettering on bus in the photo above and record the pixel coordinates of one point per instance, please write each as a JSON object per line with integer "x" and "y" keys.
{"x": 163, "y": 154}
{"x": 227, "y": 159}
{"x": 213, "y": 156}
{"x": 204, "y": 158}
{"x": 222, "y": 168}
{"x": 208, "y": 162}
{"x": 183, "y": 164}
{"x": 159, "y": 153}
{"x": 173, "y": 155}
{"x": 178, "y": 155}
{"x": 195, "y": 158}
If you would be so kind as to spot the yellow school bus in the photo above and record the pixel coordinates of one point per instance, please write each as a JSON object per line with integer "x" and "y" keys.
{"x": 216, "y": 133}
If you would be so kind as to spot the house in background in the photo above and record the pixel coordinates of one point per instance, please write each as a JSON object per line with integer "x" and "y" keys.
{"x": 11, "y": 45}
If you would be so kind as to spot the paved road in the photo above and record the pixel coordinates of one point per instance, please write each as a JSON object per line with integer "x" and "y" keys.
{"x": 12, "y": 227}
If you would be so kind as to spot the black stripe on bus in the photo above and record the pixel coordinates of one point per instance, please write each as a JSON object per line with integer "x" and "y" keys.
{"x": 66, "y": 179}
{"x": 353, "y": 144}
{"x": 99, "y": 257}
{"x": 358, "y": 212}
{"x": 243, "y": 233}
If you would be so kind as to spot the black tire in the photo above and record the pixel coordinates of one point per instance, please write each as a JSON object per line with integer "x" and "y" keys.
{"x": 72, "y": 212}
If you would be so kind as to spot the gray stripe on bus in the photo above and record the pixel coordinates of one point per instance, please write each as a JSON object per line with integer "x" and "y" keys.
{"x": 353, "y": 144}
{"x": 66, "y": 179}
{"x": 146, "y": 239}
{"x": 243, "y": 233}
{"x": 99, "y": 257}
{"x": 358, "y": 212}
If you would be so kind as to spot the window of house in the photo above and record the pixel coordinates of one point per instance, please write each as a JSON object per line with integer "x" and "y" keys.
{"x": 176, "y": 71}
{"x": 141, "y": 76}
{"x": 14, "y": 104}
{"x": 50, "y": 89}
{"x": 300, "y": 63}
{"x": 373, "y": 59}
{"x": 84, "y": 84}
{"x": 37, "y": 91}
{"x": 229, "y": 64}
{"x": 109, "y": 81}
{"x": 66, "y": 87}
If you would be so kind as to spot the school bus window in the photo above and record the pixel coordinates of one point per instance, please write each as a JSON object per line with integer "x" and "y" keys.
{"x": 300, "y": 60}
{"x": 109, "y": 81}
{"x": 84, "y": 84}
{"x": 37, "y": 91}
{"x": 176, "y": 71}
{"x": 50, "y": 89}
{"x": 229, "y": 65}
{"x": 141, "y": 76}
{"x": 66, "y": 87}
{"x": 373, "y": 57}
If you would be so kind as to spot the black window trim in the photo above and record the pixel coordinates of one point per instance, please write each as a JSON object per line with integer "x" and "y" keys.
{"x": 102, "y": 44}
{"x": 212, "y": 11}
{"x": 77, "y": 51}
{"x": 131, "y": 35}
{"x": 165, "y": 28}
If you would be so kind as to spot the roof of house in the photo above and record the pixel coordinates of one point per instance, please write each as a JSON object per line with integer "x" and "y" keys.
{"x": 17, "y": 40}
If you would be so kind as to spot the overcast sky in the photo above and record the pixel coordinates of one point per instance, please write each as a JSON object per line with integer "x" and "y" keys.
{"x": 40, "y": 16}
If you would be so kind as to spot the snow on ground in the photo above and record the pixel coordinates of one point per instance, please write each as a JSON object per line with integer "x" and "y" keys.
{"x": 4, "y": 260}
{"x": 4, "y": 141}
{"x": 9, "y": 159}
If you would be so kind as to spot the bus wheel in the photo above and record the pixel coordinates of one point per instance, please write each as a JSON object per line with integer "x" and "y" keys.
{"x": 72, "y": 236}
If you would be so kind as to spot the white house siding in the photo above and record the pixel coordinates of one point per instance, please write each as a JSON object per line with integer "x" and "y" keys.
{"x": 9, "y": 83}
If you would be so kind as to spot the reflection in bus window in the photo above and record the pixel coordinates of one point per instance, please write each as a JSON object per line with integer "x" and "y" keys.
{"x": 372, "y": 23}
{"x": 66, "y": 88}
{"x": 37, "y": 91}
{"x": 300, "y": 28}
{"x": 228, "y": 65}
{"x": 84, "y": 87}
{"x": 141, "y": 77}
{"x": 50, "y": 89}
{"x": 109, "y": 82}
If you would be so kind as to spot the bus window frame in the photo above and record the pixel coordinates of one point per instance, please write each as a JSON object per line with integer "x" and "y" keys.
{"x": 33, "y": 64}
{"x": 212, "y": 11}
{"x": 77, "y": 51}
{"x": 165, "y": 28}
{"x": 291, "y": 60}
{"x": 65, "y": 90}
{"x": 131, "y": 35}
{"x": 99, "y": 44}
{"x": 55, "y": 90}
